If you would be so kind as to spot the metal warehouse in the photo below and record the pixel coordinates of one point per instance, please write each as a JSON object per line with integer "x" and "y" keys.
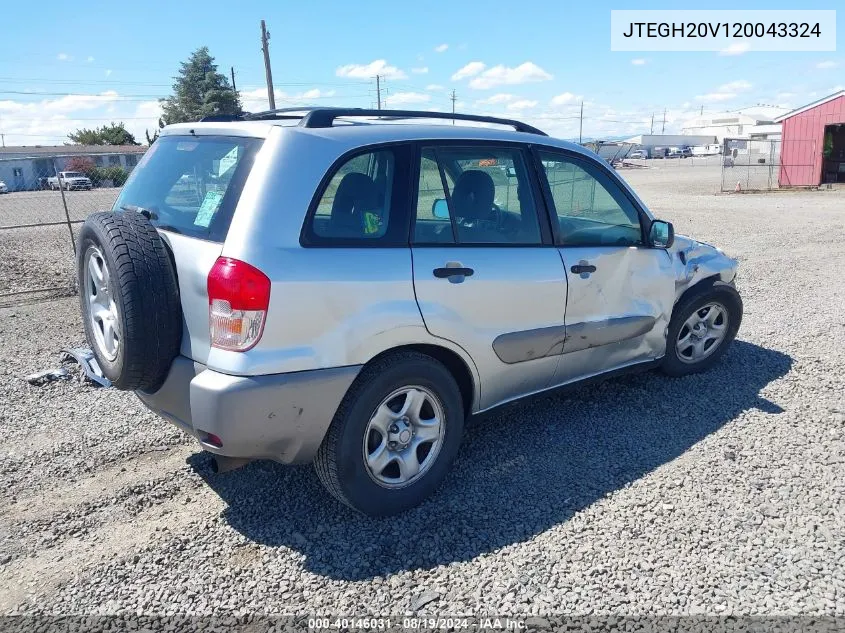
{"x": 813, "y": 149}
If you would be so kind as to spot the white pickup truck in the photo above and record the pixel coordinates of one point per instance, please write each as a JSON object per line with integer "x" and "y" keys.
{"x": 69, "y": 180}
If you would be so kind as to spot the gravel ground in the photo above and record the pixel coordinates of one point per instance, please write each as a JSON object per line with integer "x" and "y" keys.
{"x": 714, "y": 494}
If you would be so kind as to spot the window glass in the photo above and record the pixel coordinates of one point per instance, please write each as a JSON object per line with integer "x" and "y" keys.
{"x": 588, "y": 212}
{"x": 189, "y": 184}
{"x": 356, "y": 202}
{"x": 489, "y": 198}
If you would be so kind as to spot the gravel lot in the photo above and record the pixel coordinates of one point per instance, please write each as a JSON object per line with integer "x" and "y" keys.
{"x": 721, "y": 493}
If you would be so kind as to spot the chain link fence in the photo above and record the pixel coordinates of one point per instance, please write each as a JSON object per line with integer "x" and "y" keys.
{"x": 42, "y": 205}
{"x": 765, "y": 165}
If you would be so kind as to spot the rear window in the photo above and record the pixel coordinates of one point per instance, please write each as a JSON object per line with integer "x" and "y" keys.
{"x": 190, "y": 184}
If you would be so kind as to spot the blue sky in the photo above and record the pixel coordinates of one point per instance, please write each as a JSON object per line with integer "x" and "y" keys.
{"x": 531, "y": 60}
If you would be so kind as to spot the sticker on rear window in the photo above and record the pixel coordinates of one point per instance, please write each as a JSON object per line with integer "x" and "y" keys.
{"x": 228, "y": 161}
{"x": 208, "y": 208}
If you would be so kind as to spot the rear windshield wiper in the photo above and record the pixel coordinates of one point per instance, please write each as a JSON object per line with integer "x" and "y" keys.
{"x": 150, "y": 215}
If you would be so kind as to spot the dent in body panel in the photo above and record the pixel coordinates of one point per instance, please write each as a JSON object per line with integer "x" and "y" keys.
{"x": 694, "y": 261}
{"x": 517, "y": 347}
{"x": 589, "y": 334}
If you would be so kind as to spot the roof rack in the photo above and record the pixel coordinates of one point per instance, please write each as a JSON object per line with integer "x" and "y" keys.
{"x": 322, "y": 117}
{"x": 325, "y": 117}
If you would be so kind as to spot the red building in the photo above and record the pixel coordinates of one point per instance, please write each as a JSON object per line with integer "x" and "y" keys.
{"x": 813, "y": 143}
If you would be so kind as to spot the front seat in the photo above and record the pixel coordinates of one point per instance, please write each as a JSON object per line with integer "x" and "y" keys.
{"x": 355, "y": 194}
{"x": 472, "y": 201}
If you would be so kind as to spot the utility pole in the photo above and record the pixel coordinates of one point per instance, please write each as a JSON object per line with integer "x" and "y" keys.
{"x": 581, "y": 123}
{"x": 3, "y": 137}
{"x": 702, "y": 111}
{"x": 378, "y": 91}
{"x": 265, "y": 48}
{"x": 234, "y": 87}
{"x": 651, "y": 130}
{"x": 454, "y": 98}
{"x": 663, "y": 129}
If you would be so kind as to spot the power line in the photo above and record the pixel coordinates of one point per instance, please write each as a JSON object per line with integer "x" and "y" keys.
{"x": 36, "y": 93}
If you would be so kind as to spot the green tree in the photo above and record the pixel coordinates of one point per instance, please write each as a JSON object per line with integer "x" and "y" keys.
{"x": 112, "y": 134}
{"x": 200, "y": 91}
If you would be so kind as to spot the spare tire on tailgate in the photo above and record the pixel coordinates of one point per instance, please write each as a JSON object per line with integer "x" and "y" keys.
{"x": 129, "y": 299}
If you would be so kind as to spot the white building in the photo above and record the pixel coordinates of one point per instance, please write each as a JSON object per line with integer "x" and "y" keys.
{"x": 756, "y": 123}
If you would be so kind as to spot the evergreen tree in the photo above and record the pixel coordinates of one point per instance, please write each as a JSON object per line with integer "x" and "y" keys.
{"x": 200, "y": 91}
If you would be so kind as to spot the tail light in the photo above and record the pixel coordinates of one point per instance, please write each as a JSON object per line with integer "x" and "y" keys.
{"x": 238, "y": 298}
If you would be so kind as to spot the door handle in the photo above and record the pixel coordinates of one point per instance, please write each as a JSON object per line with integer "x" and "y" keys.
{"x": 448, "y": 271}
{"x": 580, "y": 269}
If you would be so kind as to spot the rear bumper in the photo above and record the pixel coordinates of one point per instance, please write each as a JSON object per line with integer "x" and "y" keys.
{"x": 282, "y": 417}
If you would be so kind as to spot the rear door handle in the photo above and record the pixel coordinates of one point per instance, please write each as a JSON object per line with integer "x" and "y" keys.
{"x": 449, "y": 271}
{"x": 580, "y": 269}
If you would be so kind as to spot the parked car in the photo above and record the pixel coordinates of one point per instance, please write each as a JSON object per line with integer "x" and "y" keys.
{"x": 3, "y": 187}
{"x": 679, "y": 152}
{"x": 638, "y": 154}
{"x": 69, "y": 180}
{"x": 398, "y": 290}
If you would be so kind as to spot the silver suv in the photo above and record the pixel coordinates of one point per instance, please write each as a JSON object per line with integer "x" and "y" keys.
{"x": 346, "y": 286}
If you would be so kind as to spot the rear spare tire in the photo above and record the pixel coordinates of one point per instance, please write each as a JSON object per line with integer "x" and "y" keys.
{"x": 129, "y": 299}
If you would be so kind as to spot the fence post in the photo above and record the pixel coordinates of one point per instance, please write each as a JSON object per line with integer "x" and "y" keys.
{"x": 64, "y": 204}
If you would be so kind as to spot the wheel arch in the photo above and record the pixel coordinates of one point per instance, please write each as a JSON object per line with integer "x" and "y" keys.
{"x": 698, "y": 287}
{"x": 453, "y": 361}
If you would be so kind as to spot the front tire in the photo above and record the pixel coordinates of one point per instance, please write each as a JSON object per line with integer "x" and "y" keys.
{"x": 703, "y": 325}
{"x": 394, "y": 436}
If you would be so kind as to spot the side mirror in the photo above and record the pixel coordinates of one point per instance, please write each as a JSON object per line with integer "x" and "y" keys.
{"x": 440, "y": 209}
{"x": 511, "y": 172}
{"x": 661, "y": 234}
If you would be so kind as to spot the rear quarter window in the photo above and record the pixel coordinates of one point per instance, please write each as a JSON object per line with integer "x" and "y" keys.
{"x": 190, "y": 184}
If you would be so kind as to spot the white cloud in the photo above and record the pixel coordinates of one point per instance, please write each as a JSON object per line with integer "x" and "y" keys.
{"x": 64, "y": 57}
{"x": 565, "y": 98}
{"x": 638, "y": 62}
{"x": 422, "y": 70}
{"x": 471, "y": 69}
{"x": 735, "y": 86}
{"x": 737, "y": 48}
{"x": 522, "y": 104}
{"x": 49, "y": 121}
{"x": 441, "y": 49}
{"x": 827, "y": 64}
{"x": 716, "y": 96}
{"x": 435, "y": 87}
{"x": 403, "y": 98}
{"x": 90, "y": 59}
{"x": 108, "y": 72}
{"x": 255, "y": 99}
{"x": 368, "y": 71}
{"x": 526, "y": 72}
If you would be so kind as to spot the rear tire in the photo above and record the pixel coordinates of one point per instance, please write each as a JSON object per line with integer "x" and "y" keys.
{"x": 703, "y": 325}
{"x": 402, "y": 394}
{"x": 129, "y": 299}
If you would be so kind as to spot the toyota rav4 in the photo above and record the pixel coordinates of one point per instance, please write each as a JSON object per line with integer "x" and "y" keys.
{"x": 346, "y": 287}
